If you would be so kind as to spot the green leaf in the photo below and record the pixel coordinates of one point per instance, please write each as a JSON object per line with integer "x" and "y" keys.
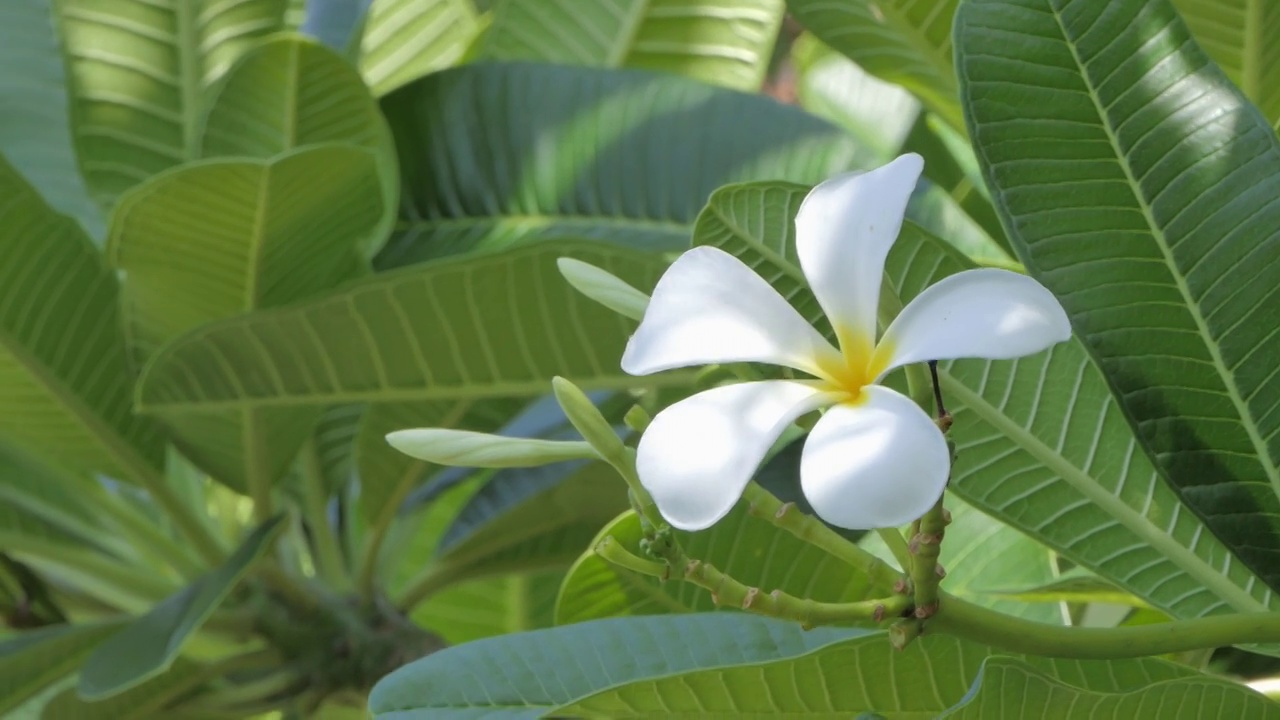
{"x": 1149, "y": 205}
{"x": 62, "y": 357}
{"x": 149, "y": 645}
{"x": 902, "y": 41}
{"x": 746, "y": 548}
{"x": 406, "y": 39}
{"x": 290, "y": 92}
{"x": 479, "y": 679}
{"x": 222, "y": 237}
{"x": 530, "y": 519}
{"x": 1239, "y": 36}
{"x": 139, "y": 75}
{"x": 724, "y": 42}
{"x": 619, "y": 155}
{"x": 36, "y": 127}
{"x": 496, "y": 325}
{"x": 1040, "y": 442}
{"x": 1009, "y": 688}
{"x": 143, "y": 702}
{"x": 1075, "y": 587}
{"x": 719, "y": 664}
{"x": 34, "y": 660}
{"x": 492, "y": 606}
{"x": 67, "y": 504}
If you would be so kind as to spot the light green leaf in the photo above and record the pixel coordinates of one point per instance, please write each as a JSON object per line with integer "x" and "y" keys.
{"x": 62, "y": 358}
{"x": 406, "y": 39}
{"x": 496, "y": 325}
{"x": 1074, "y": 587}
{"x": 149, "y": 645}
{"x": 624, "y": 156}
{"x": 290, "y": 92}
{"x": 901, "y": 41}
{"x": 746, "y": 548}
{"x": 492, "y": 606}
{"x": 724, "y": 42}
{"x": 36, "y": 132}
{"x": 1040, "y": 442}
{"x": 709, "y": 665}
{"x": 1009, "y": 688}
{"x": 211, "y": 240}
{"x": 1240, "y": 35}
{"x": 1149, "y": 205}
{"x": 34, "y": 660}
{"x": 480, "y": 679}
{"x": 139, "y": 74}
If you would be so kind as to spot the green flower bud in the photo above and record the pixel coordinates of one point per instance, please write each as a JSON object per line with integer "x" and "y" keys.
{"x": 587, "y": 419}
{"x": 604, "y": 287}
{"x": 473, "y": 449}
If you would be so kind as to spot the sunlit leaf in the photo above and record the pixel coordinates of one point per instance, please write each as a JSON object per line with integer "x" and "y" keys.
{"x": 406, "y": 39}
{"x": 1237, "y": 35}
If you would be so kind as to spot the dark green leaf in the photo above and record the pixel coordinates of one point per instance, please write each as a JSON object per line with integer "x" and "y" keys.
{"x": 1149, "y": 203}
{"x": 620, "y": 155}
{"x": 148, "y": 646}
{"x": 724, "y": 42}
{"x": 31, "y": 661}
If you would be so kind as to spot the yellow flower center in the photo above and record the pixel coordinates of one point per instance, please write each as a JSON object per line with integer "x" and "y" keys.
{"x": 859, "y": 363}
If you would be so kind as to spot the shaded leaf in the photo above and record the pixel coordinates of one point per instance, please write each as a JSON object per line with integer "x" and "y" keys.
{"x": 492, "y": 606}
{"x": 148, "y": 646}
{"x": 34, "y": 660}
{"x": 406, "y": 39}
{"x": 139, "y": 73}
{"x": 902, "y": 41}
{"x": 65, "y": 396}
{"x": 34, "y": 134}
{"x": 1157, "y": 231}
{"x": 140, "y": 703}
{"x": 725, "y": 42}
{"x": 619, "y": 155}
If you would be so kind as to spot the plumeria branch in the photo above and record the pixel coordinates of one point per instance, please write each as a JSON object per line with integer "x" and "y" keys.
{"x": 729, "y": 592}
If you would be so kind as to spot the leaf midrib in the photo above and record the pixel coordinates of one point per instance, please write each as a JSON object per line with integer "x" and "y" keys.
{"x": 627, "y": 33}
{"x": 1164, "y": 543}
{"x": 1247, "y": 420}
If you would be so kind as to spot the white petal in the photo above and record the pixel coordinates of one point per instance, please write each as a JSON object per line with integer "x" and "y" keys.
{"x": 711, "y": 308}
{"x": 986, "y": 313}
{"x": 697, "y": 455}
{"x": 844, "y": 230}
{"x": 879, "y": 463}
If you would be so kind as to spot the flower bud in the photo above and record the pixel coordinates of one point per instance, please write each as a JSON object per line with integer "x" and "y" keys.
{"x": 472, "y": 449}
{"x": 604, "y": 287}
{"x": 586, "y": 418}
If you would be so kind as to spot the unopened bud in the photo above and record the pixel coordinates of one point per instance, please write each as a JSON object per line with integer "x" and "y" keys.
{"x": 586, "y": 418}
{"x": 604, "y": 287}
{"x": 463, "y": 448}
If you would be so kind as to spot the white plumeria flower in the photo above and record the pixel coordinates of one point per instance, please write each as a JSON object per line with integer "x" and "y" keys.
{"x": 874, "y": 459}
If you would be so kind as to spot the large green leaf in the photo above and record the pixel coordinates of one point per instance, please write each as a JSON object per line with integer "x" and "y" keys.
{"x": 1041, "y": 443}
{"x": 725, "y": 42}
{"x": 1009, "y": 688}
{"x": 480, "y": 679}
{"x": 140, "y": 72}
{"x": 621, "y": 155}
{"x": 746, "y": 548}
{"x": 1149, "y": 203}
{"x": 148, "y": 646}
{"x": 64, "y": 382}
{"x": 496, "y": 325}
{"x": 36, "y": 132}
{"x": 406, "y": 39}
{"x": 289, "y": 92}
{"x": 903, "y": 41}
{"x": 31, "y": 661}
{"x": 721, "y": 664}
{"x": 223, "y": 237}
{"x": 1240, "y": 36}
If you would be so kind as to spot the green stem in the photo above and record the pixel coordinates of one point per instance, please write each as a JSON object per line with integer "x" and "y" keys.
{"x": 892, "y": 538}
{"x": 926, "y": 546}
{"x": 811, "y": 530}
{"x": 330, "y": 562}
{"x": 964, "y": 619}
{"x": 727, "y": 591}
